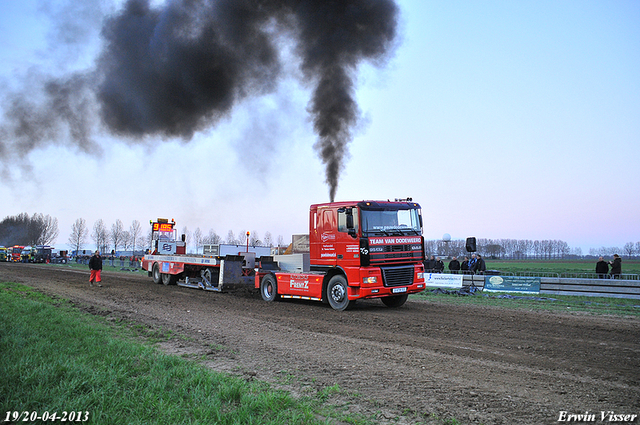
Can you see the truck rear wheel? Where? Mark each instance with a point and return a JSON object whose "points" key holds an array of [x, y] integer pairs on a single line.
{"points": [[169, 279], [155, 273], [269, 288], [337, 293], [395, 300]]}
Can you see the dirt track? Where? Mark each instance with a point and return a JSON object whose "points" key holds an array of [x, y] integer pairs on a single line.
{"points": [[422, 361]]}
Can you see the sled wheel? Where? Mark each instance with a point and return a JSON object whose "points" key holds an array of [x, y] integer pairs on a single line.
{"points": [[169, 279]]}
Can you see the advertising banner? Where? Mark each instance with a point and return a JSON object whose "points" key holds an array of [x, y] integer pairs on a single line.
{"points": [[512, 284], [439, 280]]}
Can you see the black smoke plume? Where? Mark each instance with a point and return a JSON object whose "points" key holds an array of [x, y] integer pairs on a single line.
{"points": [[173, 70]]}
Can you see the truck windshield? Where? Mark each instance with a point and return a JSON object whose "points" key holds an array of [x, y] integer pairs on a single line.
{"points": [[390, 222]]}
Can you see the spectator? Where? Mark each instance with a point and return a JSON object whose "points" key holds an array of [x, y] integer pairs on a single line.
{"points": [[602, 268], [430, 265], [454, 265], [616, 266], [480, 266], [95, 265], [473, 264], [465, 265], [439, 268]]}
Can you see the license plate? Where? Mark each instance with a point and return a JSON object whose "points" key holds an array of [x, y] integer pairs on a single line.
{"points": [[398, 290]]}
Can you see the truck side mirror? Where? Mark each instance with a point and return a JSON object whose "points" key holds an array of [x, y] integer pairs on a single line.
{"points": [[471, 244]]}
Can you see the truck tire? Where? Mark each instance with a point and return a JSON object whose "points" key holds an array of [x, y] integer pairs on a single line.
{"points": [[155, 274], [269, 288], [337, 293], [395, 300], [169, 279]]}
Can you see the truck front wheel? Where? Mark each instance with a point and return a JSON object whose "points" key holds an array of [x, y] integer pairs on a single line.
{"points": [[269, 288], [337, 293], [155, 274], [395, 300]]}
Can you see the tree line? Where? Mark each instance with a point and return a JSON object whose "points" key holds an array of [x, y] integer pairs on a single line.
{"points": [[22, 229], [118, 238], [524, 249], [40, 229]]}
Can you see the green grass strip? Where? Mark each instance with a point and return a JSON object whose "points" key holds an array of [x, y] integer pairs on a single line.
{"points": [[54, 358]]}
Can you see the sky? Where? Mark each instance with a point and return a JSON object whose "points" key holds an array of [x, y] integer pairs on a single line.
{"points": [[515, 120]]}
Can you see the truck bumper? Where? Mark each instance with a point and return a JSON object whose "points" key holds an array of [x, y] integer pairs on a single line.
{"points": [[369, 283]]}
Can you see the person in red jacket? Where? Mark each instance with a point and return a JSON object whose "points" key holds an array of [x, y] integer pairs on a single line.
{"points": [[95, 265]]}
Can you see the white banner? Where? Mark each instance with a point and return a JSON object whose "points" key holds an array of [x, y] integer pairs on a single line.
{"points": [[439, 280]]}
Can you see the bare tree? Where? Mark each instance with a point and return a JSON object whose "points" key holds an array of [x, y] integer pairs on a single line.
{"points": [[99, 235], [629, 249], [117, 234], [268, 239], [213, 237], [242, 237], [231, 239], [135, 231], [198, 238], [254, 239], [46, 229], [78, 236], [126, 241]]}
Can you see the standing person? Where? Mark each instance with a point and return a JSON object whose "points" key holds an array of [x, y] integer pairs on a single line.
{"points": [[430, 264], [480, 267], [95, 265], [602, 268], [465, 266], [616, 266], [439, 268], [454, 265], [473, 263]]}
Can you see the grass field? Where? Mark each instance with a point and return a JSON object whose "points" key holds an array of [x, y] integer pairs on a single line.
{"points": [[555, 266], [58, 359]]}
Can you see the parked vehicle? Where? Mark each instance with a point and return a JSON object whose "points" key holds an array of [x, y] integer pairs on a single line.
{"points": [[16, 253]]}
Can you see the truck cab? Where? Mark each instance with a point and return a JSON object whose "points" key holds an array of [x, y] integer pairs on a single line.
{"points": [[16, 253], [362, 249]]}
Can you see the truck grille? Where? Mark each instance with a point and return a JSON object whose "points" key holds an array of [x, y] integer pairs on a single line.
{"points": [[397, 276]]}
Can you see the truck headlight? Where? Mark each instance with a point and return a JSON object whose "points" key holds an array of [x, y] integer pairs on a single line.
{"points": [[370, 279], [420, 275]]}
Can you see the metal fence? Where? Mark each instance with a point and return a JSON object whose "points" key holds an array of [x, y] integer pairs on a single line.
{"points": [[628, 286]]}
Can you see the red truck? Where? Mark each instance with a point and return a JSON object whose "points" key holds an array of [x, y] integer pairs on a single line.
{"points": [[357, 250], [16, 253]]}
